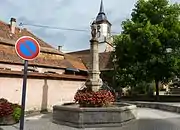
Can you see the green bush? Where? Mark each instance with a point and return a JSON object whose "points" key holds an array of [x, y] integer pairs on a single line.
{"points": [[17, 113], [143, 88], [150, 90]]}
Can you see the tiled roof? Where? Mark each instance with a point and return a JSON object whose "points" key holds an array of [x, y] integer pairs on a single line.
{"points": [[7, 37], [79, 53], [105, 62], [76, 62], [5, 33], [8, 54]]}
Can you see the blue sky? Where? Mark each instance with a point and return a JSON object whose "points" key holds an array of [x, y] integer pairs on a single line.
{"points": [[75, 14]]}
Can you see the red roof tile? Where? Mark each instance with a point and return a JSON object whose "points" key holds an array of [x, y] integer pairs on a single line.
{"points": [[105, 62], [76, 62], [8, 55], [5, 33]]}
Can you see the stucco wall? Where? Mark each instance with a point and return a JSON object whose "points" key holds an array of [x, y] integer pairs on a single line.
{"points": [[41, 93]]}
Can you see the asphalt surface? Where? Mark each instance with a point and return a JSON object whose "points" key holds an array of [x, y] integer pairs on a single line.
{"points": [[149, 119]]}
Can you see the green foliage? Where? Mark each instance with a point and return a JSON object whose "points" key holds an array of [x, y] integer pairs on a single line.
{"points": [[141, 49], [142, 88], [17, 113], [107, 76], [9, 109]]}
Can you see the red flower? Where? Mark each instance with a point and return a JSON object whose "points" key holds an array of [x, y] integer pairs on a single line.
{"points": [[93, 99]]}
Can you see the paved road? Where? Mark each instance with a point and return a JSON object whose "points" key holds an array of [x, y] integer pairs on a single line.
{"points": [[149, 119]]}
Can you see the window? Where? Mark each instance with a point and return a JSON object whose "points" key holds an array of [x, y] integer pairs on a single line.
{"points": [[109, 30]]}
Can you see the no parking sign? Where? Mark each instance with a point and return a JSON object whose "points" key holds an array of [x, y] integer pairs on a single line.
{"points": [[27, 48]]}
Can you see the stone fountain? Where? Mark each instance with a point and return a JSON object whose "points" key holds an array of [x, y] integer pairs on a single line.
{"points": [[82, 117]]}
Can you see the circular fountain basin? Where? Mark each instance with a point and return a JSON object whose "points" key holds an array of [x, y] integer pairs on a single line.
{"points": [[86, 117]]}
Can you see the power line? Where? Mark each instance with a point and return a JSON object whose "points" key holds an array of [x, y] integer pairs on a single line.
{"points": [[59, 28], [50, 27]]}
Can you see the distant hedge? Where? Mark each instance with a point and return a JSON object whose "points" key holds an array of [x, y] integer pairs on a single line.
{"points": [[162, 98]]}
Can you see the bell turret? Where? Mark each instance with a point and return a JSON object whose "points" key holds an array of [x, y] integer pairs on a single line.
{"points": [[105, 29]]}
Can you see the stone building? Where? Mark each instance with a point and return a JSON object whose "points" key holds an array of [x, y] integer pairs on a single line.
{"points": [[53, 77]]}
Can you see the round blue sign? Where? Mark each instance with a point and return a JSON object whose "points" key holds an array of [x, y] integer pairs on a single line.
{"points": [[27, 48]]}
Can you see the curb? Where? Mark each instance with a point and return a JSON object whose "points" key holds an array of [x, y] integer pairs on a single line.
{"points": [[156, 105], [35, 113], [88, 117]]}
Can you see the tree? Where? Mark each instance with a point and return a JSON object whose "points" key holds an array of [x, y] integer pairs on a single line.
{"points": [[148, 47]]}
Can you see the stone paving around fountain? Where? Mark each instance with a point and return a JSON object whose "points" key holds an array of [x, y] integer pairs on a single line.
{"points": [[149, 119]]}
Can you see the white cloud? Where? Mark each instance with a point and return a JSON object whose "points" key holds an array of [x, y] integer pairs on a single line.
{"points": [[65, 13]]}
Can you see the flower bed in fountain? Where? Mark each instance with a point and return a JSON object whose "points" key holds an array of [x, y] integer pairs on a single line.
{"points": [[88, 98], [93, 109], [9, 112]]}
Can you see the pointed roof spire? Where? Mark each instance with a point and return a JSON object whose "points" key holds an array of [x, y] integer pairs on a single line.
{"points": [[101, 17], [101, 7]]}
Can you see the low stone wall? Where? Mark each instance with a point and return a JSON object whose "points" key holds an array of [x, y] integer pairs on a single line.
{"points": [[160, 106], [74, 116]]}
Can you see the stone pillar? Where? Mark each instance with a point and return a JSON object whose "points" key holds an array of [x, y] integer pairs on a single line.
{"points": [[94, 81]]}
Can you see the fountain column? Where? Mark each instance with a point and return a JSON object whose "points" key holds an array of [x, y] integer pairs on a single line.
{"points": [[94, 81]]}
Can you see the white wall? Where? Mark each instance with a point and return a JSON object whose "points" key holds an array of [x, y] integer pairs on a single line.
{"points": [[41, 93], [104, 29], [12, 67], [103, 46]]}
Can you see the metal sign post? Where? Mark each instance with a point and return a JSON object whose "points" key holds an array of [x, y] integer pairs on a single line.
{"points": [[27, 48], [23, 99]]}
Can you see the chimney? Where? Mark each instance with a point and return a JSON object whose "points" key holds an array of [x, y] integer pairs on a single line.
{"points": [[13, 25], [59, 48]]}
